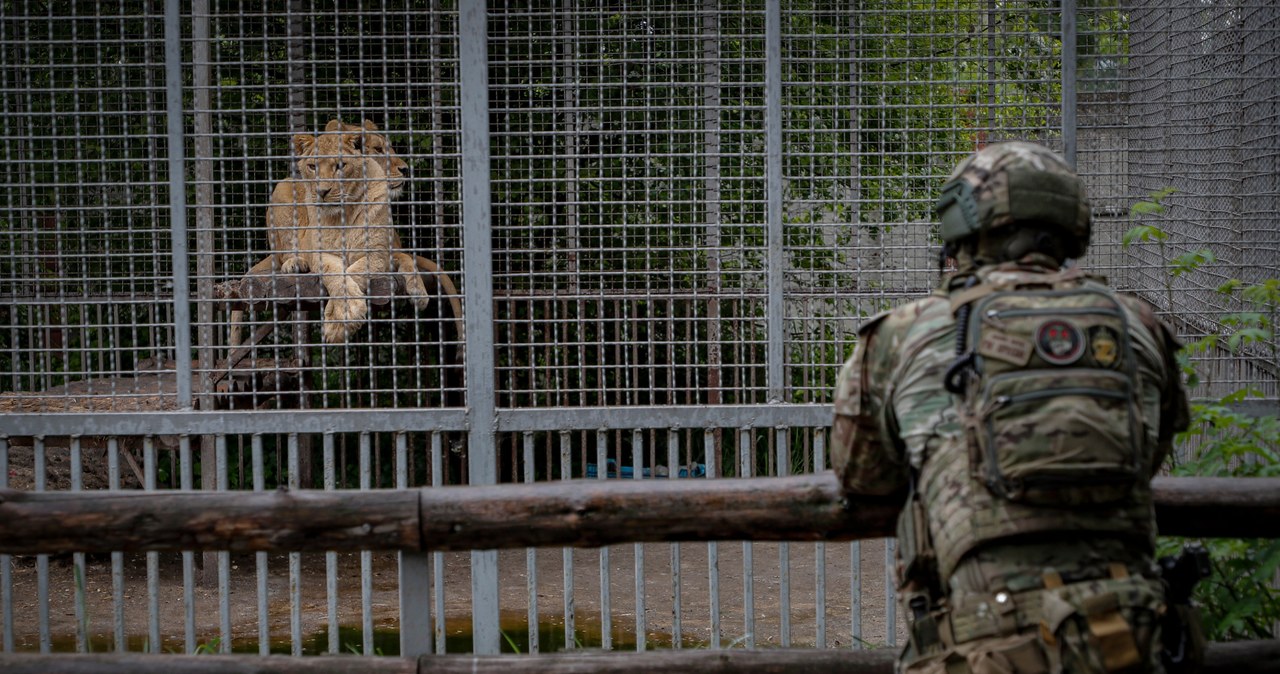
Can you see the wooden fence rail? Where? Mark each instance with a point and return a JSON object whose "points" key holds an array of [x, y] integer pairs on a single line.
{"points": [[580, 513], [1245, 657]]}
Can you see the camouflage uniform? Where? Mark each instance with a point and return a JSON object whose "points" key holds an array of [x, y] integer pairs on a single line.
{"points": [[1017, 587]]}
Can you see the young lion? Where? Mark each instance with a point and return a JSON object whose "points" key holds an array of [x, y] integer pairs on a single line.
{"points": [[291, 212], [351, 237]]}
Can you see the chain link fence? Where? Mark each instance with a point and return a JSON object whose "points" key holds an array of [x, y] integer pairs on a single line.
{"points": [[647, 233]]}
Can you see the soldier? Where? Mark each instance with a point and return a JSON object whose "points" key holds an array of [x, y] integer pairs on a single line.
{"points": [[1022, 410]]}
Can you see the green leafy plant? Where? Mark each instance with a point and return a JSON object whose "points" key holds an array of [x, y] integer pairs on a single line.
{"points": [[1239, 600], [209, 648]]}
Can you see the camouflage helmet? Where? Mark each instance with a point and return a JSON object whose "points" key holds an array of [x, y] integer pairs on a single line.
{"points": [[1015, 183]]}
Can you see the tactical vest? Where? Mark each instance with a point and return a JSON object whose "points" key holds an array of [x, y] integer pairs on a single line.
{"points": [[1050, 438]]}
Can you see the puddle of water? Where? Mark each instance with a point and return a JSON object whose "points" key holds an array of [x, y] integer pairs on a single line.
{"points": [[386, 641]]}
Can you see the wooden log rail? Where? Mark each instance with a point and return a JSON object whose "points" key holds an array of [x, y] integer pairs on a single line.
{"points": [[1244, 657], [579, 513]]}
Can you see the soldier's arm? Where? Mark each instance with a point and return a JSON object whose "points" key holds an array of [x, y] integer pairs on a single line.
{"points": [[1175, 414], [865, 461]]}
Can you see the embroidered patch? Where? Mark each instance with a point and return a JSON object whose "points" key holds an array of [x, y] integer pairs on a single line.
{"points": [[1104, 346], [1059, 342], [1010, 349]]}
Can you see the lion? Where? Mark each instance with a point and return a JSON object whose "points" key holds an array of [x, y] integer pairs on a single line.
{"points": [[351, 236], [291, 211]]}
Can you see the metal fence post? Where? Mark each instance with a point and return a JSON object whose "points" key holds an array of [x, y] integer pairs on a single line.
{"points": [[473, 55], [177, 198], [776, 316], [1069, 81]]}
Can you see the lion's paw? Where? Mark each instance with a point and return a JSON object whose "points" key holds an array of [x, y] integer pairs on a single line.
{"points": [[293, 265], [342, 318], [417, 291]]}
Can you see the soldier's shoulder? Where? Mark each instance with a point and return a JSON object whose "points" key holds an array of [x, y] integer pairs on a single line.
{"points": [[902, 318]]}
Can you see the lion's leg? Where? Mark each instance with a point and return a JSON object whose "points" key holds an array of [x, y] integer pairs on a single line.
{"points": [[237, 316], [346, 309], [407, 266]]}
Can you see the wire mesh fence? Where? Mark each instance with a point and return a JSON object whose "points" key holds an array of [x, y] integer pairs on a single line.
{"points": [[688, 209]]}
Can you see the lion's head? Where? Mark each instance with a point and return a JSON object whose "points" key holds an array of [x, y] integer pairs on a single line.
{"points": [[376, 145], [340, 172]]}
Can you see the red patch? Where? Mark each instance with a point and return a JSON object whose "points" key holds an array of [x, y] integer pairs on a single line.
{"points": [[1059, 342]]}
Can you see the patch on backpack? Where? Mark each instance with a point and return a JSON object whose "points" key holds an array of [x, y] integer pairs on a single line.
{"points": [[1010, 349], [1104, 346], [1059, 342]]}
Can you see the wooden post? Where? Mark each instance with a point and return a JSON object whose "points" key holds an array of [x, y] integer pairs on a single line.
{"points": [[581, 513]]}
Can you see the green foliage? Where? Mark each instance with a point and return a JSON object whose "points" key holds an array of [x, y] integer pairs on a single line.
{"points": [[1239, 600]]}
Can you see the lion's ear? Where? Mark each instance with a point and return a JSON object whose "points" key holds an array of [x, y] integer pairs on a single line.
{"points": [[302, 143], [333, 125], [356, 142], [370, 126]]}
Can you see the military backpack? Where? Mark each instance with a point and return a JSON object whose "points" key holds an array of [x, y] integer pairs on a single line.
{"points": [[1049, 389]]}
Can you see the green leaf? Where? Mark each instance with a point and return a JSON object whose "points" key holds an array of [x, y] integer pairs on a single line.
{"points": [[1144, 233], [1247, 336], [1145, 208], [1191, 261], [1230, 286], [1265, 293]]}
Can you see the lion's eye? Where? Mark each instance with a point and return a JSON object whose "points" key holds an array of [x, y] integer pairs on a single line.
{"points": [[311, 166], [338, 168]]}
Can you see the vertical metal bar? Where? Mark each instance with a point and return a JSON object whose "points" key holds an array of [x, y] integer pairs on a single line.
{"points": [[673, 472], [890, 594], [855, 594], [188, 557], [637, 473], [42, 561], [748, 549], [366, 556], [566, 473], [783, 457], [531, 554], [295, 559], [6, 561], [331, 557], [711, 147], [203, 141], [437, 558], [415, 578], [773, 191], [264, 617], [153, 558], [117, 558], [473, 63], [820, 556], [224, 557], [711, 454], [1069, 81], [606, 603], [77, 564], [177, 198]]}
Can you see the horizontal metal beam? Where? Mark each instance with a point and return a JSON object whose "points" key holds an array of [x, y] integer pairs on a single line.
{"points": [[385, 420], [232, 422], [665, 416]]}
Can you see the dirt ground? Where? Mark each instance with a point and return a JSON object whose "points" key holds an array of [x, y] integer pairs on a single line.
{"points": [[766, 590]]}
